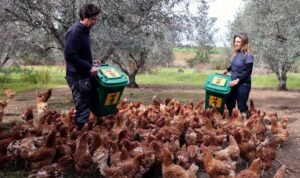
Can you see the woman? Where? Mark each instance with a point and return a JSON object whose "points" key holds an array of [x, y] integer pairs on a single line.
{"points": [[241, 69]]}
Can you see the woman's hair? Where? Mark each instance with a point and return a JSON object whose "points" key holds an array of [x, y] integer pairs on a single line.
{"points": [[245, 47], [88, 11]]}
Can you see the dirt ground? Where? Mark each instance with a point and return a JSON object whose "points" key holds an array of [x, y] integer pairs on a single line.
{"points": [[284, 103]]}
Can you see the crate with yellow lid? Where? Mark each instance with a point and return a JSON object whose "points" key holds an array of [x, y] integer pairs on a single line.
{"points": [[110, 82], [216, 90]]}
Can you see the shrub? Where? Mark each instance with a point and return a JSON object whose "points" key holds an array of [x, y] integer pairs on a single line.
{"points": [[5, 77], [201, 57], [5, 74], [36, 76]]}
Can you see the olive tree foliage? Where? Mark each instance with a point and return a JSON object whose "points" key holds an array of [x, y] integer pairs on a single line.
{"points": [[274, 29], [130, 33], [136, 33], [205, 30], [198, 30], [40, 25]]}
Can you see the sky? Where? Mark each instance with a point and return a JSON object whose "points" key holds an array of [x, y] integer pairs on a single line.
{"points": [[225, 11]]}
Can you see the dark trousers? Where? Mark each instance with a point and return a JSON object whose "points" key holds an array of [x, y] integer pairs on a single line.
{"points": [[82, 92], [240, 94]]}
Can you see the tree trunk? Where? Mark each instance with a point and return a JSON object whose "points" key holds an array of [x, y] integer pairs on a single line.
{"points": [[132, 83], [282, 78], [2, 64]]}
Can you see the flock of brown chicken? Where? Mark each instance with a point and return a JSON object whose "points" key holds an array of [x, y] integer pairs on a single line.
{"points": [[179, 140]]}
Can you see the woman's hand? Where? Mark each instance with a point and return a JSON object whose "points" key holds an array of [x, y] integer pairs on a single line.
{"points": [[234, 82], [225, 72]]}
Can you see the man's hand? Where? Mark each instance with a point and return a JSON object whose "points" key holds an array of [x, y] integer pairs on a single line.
{"points": [[94, 71]]}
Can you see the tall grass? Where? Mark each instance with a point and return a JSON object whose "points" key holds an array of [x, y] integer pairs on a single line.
{"points": [[36, 76]]}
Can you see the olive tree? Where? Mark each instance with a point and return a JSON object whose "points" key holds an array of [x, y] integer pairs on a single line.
{"points": [[130, 33], [135, 33]]}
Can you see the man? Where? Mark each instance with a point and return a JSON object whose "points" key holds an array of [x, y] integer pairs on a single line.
{"points": [[79, 62]]}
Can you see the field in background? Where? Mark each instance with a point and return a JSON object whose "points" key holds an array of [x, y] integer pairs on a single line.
{"points": [[41, 77]]}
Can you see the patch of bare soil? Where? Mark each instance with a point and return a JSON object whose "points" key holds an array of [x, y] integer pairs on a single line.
{"points": [[284, 103]]}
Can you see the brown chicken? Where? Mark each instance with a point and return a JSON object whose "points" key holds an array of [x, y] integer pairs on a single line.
{"points": [[28, 115], [101, 155], [253, 171], [236, 119], [3, 104], [246, 144], [127, 168], [252, 108], [232, 152], [44, 96], [53, 170], [44, 155], [214, 142], [158, 151], [217, 117], [283, 122], [171, 170], [9, 94], [267, 154], [17, 134], [214, 167], [41, 102], [183, 157], [280, 172], [83, 160], [278, 131]]}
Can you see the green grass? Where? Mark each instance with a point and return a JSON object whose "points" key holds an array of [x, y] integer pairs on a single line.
{"points": [[217, 51], [271, 81], [185, 49], [167, 76], [19, 83], [163, 76], [170, 76]]}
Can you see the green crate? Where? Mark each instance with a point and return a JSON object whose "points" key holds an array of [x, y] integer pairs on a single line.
{"points": [[216, 91], [110, 83]]}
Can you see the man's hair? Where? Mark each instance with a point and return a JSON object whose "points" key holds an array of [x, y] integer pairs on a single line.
{"points": [[88, 11]]}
